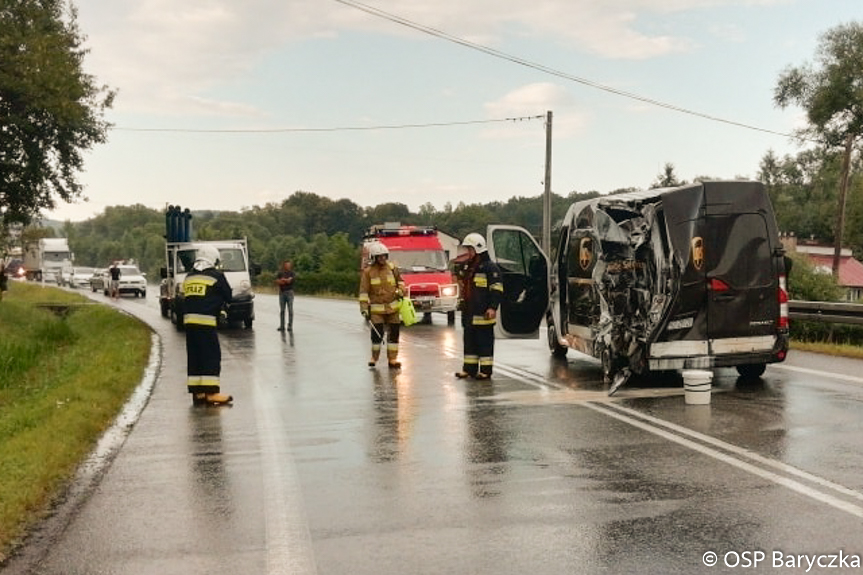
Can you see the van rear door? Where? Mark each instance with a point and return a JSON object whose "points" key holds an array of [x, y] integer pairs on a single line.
{"points": [[525, 271], [741, 269], [727, 301]]}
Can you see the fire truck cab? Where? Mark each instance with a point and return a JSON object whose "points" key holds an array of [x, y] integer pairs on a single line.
{"points": [[422, 263]]}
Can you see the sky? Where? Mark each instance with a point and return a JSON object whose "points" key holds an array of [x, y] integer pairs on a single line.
{"points": [[227, 105]]}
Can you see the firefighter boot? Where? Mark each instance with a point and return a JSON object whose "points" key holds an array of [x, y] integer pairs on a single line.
{"points": [[374, 360], [199, 398], [394, 364], [218, 399]]}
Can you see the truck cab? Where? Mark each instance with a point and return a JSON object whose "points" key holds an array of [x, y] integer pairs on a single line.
{"points": [[691, 277], [423, 264], [234, 263]]}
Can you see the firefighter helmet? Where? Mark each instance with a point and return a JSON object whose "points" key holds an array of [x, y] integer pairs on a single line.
{"points": [[377, 249], [206, 257], [475, 241]]}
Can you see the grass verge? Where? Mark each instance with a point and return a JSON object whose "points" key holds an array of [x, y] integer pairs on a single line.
{"points": [[63, 379]]}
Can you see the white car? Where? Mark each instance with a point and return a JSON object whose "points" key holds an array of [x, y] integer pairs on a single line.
{"points": [[131, 281], [80, 277]]}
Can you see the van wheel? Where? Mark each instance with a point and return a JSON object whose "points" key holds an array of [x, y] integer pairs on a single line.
{"points": [[450, 318], [751, 370], [554, 346]]}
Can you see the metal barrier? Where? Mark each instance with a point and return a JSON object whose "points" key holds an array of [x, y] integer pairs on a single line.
{"points": [[827, 312]]}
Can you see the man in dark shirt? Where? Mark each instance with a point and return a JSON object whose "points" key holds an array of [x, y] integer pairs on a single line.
{"points": [[115, 280], [285, 281]]}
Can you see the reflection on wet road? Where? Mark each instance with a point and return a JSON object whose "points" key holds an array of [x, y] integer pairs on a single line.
{"points": [[326, 466]]}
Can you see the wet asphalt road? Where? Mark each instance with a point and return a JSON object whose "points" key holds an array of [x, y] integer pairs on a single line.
{"points": [[324, 466]]}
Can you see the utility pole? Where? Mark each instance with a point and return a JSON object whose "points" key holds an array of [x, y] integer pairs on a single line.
{"points": [[546, 199]]}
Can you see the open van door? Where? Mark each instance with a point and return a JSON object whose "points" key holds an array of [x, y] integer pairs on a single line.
{"points": [[526, 282]]}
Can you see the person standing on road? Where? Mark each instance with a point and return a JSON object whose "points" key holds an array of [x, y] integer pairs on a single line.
{"points": [[381, 289], [4, 280], [115, 280], [205, 292], [285, 281], [481, 291]]}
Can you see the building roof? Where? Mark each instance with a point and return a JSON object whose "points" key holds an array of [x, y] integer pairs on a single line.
{"points": [[850, 270]]}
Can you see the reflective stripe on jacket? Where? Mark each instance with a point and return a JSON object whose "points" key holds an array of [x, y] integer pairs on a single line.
{"points": [[482, 289], [205, 293], [380, 289]]}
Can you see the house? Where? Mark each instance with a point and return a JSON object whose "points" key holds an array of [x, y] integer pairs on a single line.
{"points": [[821, 257]]}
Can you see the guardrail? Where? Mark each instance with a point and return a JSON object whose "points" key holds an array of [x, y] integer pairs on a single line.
{"points": [[827, 312]]}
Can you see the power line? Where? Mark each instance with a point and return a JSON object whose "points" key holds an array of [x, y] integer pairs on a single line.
{"points": [[547, 70], [332, 129]]}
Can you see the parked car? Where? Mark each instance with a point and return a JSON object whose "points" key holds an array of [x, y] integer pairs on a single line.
{"points": [[64, 277], [97, 280], [80, 277], [131, 281]]}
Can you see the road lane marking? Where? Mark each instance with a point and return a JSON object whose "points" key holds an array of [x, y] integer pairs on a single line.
{"points": [[742, 452], [288, 540], [800, 488], [840, 376], [729, 453]]}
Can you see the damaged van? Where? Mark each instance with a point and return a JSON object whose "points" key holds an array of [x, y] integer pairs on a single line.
{"points": [[664, 279]]}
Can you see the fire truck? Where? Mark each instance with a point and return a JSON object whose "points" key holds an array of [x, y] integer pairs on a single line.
{"points": [[423, 264]]}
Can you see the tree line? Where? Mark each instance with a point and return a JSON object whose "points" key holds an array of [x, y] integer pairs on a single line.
{"points": [[323, 236]]}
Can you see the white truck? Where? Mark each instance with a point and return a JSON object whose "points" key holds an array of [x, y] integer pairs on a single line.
{"points": [[234, 263], [46, 259]]}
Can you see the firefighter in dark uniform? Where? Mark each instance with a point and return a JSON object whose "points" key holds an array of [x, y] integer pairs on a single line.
{"points": [[205, 292], [481, 292], [381, 290]]}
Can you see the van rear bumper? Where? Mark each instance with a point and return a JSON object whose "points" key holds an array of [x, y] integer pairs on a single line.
{"points": [[728, 352]]}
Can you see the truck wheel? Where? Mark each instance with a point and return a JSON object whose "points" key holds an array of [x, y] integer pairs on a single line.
{"points": [[554, 346], [751, 370], [177, 320], [450, 318]]}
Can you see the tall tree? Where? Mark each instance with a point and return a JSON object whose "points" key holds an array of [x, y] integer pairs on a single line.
{"points": [[831, 92], [50, 110]]}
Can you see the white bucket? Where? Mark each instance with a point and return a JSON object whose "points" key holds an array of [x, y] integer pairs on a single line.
{"points": [[696, 386]]}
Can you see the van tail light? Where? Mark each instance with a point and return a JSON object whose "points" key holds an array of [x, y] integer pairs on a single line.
{"points": [[783, 303], [718, 285]]}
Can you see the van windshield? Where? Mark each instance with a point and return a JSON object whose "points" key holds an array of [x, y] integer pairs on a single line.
{"points": [[419, 260]]}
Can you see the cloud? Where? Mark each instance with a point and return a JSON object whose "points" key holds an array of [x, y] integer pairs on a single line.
{"points": [[541, 97], [195, 47]]}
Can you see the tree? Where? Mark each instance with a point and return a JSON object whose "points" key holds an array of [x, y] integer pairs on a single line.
{"points": [[50, 110], [667, 179], [832, 95]]}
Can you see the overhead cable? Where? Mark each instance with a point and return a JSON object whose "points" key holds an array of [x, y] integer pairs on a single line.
{"points": [[332, 129], [547, 70]]}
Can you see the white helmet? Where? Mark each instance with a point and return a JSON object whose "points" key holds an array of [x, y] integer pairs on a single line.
{"points": [[206, 257], [475, 241], [377, 249]]}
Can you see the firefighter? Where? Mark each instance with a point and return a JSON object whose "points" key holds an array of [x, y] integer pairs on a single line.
{"points": [[481, 292], [381, 290], [205, 292]]}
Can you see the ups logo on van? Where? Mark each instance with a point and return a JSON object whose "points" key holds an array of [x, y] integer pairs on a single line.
{"points": [[697, 253], [585, 253]]}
